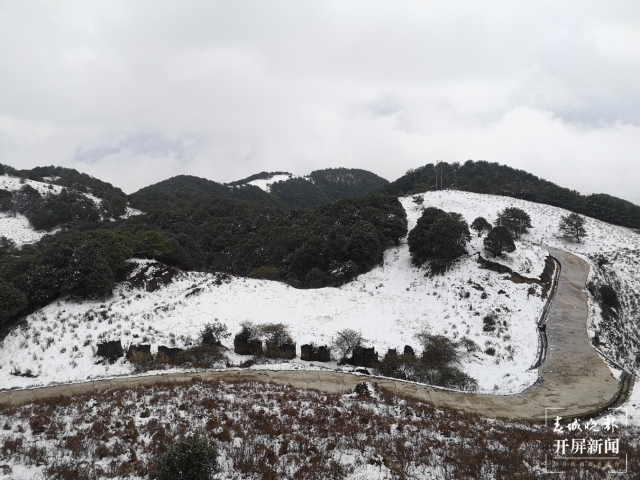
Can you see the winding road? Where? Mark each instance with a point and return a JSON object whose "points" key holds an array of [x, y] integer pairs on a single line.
{"points": [[573, 379]]}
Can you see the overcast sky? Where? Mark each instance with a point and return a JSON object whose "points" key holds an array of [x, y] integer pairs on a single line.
{"points": [[134, 92]]}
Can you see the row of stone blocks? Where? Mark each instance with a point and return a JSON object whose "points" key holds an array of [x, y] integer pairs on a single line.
{"points": [[112, 350], [310, 353], [361, 357]]}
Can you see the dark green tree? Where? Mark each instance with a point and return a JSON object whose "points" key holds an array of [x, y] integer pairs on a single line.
{"points": [[438, 238], [80, 263], [190, 459], [572, 226], [498, 241], [515, 219], [151, 244], [12, 301], [481, 225]]}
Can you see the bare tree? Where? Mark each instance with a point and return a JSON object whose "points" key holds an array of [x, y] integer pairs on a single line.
{"points": [[572, 226], [345, 341]]}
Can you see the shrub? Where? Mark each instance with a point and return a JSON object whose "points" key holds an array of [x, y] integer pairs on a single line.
{"points": [[141, 361], [609, 297], [345, 341], [202, 356], [246, 342], [515, 219], [572, 226], [191, 459], [498, 241], [213, 334], [489, 323], [398, 366], [278, 340], [481, 225], [438, 238], [438, 364]]}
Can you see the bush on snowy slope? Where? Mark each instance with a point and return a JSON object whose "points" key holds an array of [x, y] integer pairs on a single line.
{"points": [[86, 264], [498, 241], [192, 458], [52, 210], [438, 364], [438, 238]]}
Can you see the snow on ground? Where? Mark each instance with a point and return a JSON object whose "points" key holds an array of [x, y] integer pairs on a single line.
{"points": [[10, 183], [620, 246], [389, 305], [17, 228], [131, 212], [265, 183]]}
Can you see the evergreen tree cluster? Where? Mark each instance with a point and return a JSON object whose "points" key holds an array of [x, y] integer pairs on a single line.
{"points": [[438, 238], [321, 187], [46, 212], [307, 248], [114, 200], [495, 179]]}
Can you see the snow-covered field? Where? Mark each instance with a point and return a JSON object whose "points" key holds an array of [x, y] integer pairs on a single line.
{"points": [[389, 305]]}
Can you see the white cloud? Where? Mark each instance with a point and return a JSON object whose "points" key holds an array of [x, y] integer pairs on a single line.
{"points": [[134, 92]]}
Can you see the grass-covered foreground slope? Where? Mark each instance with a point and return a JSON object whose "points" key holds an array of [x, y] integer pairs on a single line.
{"points": [[269, 431]]}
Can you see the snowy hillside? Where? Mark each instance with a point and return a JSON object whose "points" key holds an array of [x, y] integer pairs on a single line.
{"points": [[389, 305], [16, 226], [613, 253], [265, 183]]}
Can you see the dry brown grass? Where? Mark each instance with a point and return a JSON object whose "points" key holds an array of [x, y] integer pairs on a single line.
{"points": [[267, 431]]}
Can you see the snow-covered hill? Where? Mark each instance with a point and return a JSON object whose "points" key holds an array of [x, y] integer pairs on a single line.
{"points": [[16, 227], [389, 305], [265, 183]]}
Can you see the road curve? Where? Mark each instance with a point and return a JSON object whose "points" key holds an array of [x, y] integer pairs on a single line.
{"points": [[573, 379]]}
